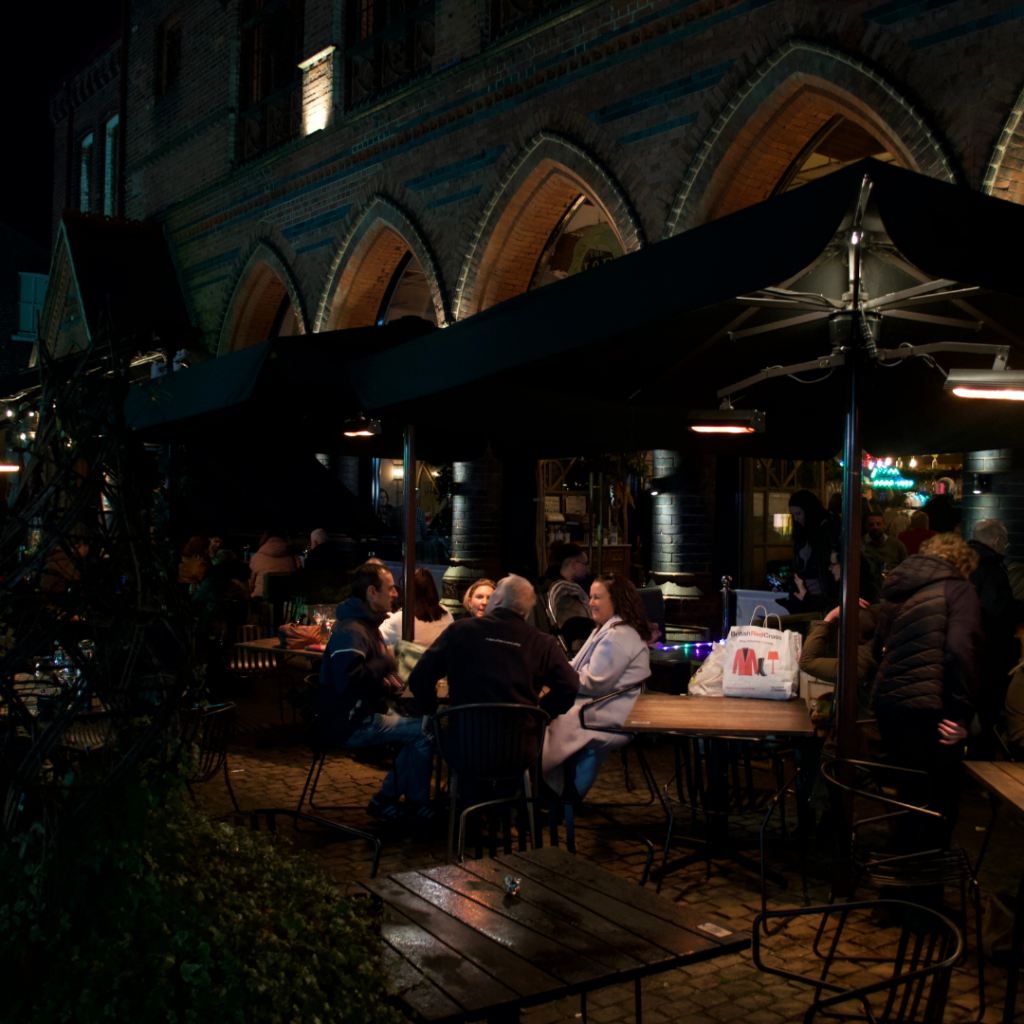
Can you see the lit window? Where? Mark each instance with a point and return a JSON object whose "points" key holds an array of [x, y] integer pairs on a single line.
{"points": [[84, 173], [110, 167]]}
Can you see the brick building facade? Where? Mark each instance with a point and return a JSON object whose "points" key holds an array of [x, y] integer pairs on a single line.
{"points": [[334, 164]]}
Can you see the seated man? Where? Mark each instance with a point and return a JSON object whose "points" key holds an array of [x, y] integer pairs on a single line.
{"points": [[325, 553], [565, 608], [497, 658], [357, 677]]}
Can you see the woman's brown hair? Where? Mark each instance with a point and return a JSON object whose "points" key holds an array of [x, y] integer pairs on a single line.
{"points": [[626, 602], [195, 546], [951, 548], [426, 606]]}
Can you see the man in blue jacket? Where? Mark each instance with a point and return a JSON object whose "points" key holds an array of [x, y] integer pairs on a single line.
{"points": [[357, 678]]}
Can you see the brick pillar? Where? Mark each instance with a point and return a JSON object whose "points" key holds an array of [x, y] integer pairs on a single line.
{"points": [[318, 81], [348, 472], [682, 535], [1004, 502], [476, 527]]}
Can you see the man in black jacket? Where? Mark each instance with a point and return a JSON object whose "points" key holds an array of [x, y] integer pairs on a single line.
{"points": [[1000, 614], [357, 678], [325, 553], [497, 659]]}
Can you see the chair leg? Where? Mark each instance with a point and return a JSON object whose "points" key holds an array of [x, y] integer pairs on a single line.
{"points": [[318, 761], [625, 772], [227, 782], [453, 795], [528, 791]]}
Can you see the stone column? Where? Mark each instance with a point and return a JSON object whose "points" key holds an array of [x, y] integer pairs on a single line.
{"points": [[476, 527], [1005, 500], [682, 537]]}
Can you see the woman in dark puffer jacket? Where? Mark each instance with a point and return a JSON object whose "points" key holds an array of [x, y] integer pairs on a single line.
{"points": [[927, 645]]}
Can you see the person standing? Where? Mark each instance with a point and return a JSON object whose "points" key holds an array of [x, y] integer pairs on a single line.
{"points": [[918, 533], [357, 679], [927, 645], [615, 657], [887, 551], [814, 536], [1000, 615]]}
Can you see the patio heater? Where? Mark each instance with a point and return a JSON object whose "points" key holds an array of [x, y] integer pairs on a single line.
{"points": [[854, 322]]}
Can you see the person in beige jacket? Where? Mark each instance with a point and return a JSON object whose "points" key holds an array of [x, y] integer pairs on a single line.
{"points": [[271, 556]]}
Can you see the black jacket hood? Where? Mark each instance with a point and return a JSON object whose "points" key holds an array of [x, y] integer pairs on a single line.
{"points": [[916, 572]]}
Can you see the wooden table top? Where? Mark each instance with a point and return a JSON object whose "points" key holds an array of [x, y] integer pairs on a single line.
{"points": [[458, 948], [1004, 778], [740, 717], [272, 645]]}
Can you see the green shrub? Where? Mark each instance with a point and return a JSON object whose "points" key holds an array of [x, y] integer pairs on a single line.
{"points": [[190, 921]]}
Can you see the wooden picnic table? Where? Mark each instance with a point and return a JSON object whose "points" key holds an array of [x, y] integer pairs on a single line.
{"points": [[272, 645], [715, 721], [458, 948], [1006, 780]]}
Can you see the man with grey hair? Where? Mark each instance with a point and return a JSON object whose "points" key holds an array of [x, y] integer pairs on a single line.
{"points": [[1000, 615], [325, 553], [497, 658]]}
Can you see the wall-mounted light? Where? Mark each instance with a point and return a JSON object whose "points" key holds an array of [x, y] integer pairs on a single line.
{"points": [[360, 426], [1007, 385], [654, 494], [727, 421]]}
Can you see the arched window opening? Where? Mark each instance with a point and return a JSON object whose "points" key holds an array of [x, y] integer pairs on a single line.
{"points": [[582, 238], [407, 294], [837, 144]]}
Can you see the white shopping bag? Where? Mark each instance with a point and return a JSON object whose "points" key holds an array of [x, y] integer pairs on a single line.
{"points": [[762, 662], [708, 680]]}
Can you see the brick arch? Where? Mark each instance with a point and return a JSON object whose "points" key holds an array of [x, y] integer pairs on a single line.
{"points": [[262, 284], [776, 112], [539, 187], [1004, 176], [365, 262]]}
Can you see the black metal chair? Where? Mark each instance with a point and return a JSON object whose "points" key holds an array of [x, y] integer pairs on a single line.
{"points": [[488, 743], [915, 988], [531, 830], [210, 729], [272, 813], [935, 868]]}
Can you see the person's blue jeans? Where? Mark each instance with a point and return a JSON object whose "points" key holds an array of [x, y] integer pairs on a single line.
{"points": [[582, 767], [411, 774]]}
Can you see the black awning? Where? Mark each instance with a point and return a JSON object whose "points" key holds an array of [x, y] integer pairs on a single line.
{"points": [[615, 357], [292, 391]]}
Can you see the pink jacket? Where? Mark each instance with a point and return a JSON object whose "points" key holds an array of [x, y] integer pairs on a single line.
{"points": [[272, 557]]}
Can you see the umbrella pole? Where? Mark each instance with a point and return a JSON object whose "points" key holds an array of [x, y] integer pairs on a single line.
{"points": [[846, 704], [409, 540]]}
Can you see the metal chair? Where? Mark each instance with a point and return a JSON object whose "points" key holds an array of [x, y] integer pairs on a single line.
{"points": [[530, 830], [915, 988], [247, 664], [492, 743], [211, 729], [271, 814], [938, 868]]}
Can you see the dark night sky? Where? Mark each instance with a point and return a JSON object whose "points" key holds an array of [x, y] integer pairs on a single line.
{"points": [[41, 42]]}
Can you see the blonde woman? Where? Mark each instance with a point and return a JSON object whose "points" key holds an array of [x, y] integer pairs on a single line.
{"points": [[927, 645], [476, 597]]}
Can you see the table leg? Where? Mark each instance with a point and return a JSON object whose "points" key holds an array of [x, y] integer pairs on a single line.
{"points": [[639, 1001], [719, 845]]}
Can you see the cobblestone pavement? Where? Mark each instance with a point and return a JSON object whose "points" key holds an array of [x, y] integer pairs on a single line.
{"points": [[268, 763]]}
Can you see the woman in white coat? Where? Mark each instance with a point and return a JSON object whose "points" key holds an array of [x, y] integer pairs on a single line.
{"points": [[613, 657]]}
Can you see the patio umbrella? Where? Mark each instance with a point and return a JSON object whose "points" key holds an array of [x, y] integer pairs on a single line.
{"points": [[841, 279]]}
